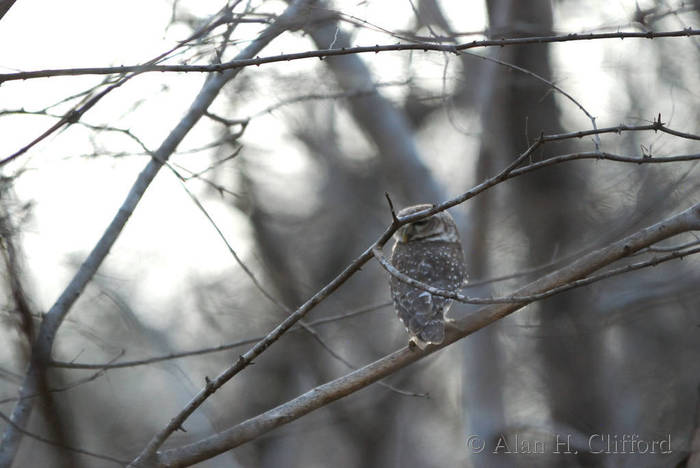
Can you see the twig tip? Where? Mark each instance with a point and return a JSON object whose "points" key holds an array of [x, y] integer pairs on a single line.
{"points": [[394, 219]]}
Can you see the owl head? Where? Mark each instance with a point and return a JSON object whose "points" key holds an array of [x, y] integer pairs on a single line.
{"points": [[435, 228]]}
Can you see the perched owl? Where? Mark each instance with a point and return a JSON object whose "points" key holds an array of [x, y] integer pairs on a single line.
{"points": [[428, 251]]}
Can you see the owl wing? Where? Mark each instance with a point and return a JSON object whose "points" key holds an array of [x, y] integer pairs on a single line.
{"points": [[439, 264]]}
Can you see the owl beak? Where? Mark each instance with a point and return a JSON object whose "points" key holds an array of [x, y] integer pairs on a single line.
{"points": [[404, 236]]}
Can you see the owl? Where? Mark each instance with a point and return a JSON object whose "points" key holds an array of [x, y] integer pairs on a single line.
{"points": [[429, 251]]}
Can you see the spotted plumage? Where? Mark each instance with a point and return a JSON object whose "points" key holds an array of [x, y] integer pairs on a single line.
{"points": [[429, 251]]}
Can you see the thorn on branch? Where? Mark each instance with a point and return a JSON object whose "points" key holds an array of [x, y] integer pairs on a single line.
{"points": [[180, 428], [658, 123], [394, 219], [242, 361], [208, 384]]}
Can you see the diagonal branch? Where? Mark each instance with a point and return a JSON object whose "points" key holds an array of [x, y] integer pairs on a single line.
{"points": [[324, 394], [5, 6]]}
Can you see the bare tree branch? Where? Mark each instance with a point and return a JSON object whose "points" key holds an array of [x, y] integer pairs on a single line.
{"points": [[94, 376], [343, 386], [247, 358], [512, 170], [514, 299], [60, 445], [5, 6], [323, 53]]}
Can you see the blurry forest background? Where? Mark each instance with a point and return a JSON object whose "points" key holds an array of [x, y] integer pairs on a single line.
{"points": [[292, 163]]}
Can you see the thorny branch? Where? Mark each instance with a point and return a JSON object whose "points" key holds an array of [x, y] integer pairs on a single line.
{"points": [[323, 53], [343, 386]]}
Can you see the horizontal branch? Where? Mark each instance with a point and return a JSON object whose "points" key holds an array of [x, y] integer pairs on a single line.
{"points": [[343, 386], [323, 53], [657, 126], [515, 299], [513, 170]]}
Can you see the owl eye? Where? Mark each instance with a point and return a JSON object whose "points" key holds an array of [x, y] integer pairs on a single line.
{"points": [[421, 223]]}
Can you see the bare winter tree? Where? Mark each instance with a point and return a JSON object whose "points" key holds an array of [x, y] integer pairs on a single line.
{"points": [[234, 310]]}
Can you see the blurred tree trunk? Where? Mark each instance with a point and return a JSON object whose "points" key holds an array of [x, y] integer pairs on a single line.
{"points": [[344, 193], [485, 381], [545, 205], [385, 126]]}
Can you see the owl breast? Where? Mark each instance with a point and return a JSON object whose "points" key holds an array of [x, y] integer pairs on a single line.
{"points": [[436, 263]]}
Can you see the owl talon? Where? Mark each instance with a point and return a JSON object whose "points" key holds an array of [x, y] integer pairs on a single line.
{"points": [[415, 342]]}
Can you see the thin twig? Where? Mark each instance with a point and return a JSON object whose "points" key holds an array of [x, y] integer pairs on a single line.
{"points": [[213, 349], [672, 248], [75, 114], [548, 83], [62, 446], [101, 368]]}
